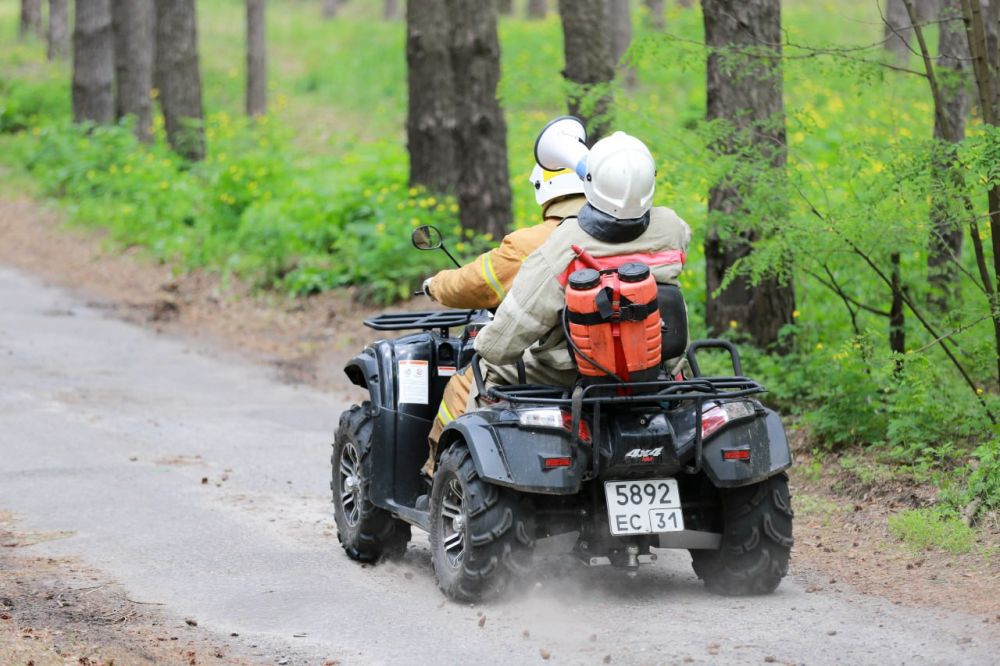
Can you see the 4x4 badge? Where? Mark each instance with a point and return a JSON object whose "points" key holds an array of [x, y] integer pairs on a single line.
{"points": [[645, 454]]}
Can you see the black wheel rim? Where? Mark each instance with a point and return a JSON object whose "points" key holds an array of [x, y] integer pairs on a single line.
{"points": [[453, 523], [350, 484]]}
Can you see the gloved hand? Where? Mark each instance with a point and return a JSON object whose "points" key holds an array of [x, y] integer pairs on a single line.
{"points": [[427, 289]]}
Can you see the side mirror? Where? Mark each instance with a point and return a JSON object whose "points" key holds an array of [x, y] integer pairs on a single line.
{"points": [[426, 237]]}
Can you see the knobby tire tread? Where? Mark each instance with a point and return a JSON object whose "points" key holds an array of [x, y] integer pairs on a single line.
{"points": [[378, 534], [756, 541], [499, 535]]}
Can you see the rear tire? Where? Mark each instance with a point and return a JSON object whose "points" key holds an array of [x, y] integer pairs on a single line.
{"points": [[756, 540], [366, 532], [481, 536]]}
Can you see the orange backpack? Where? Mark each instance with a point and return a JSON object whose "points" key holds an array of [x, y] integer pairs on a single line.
{"points": [[613, 319]]}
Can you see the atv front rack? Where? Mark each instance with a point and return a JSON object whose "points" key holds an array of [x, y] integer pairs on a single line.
{"points": [[425, 321]]}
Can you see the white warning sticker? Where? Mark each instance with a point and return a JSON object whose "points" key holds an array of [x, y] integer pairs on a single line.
{"points": [[413, 382], [446, 370]]}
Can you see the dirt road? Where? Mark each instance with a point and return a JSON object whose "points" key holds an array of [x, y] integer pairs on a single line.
{"points": [[200, 482]]}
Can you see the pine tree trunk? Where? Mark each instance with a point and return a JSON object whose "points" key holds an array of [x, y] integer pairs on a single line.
{"points": [[256, 57], [93, 63], [620, 26], [133, 30], [589, 65], [505, 7], [390, 10], [31, 18], [537, 9], [481, 131], [945, 246], [330, 8], [58, 32], [179, 77], [685, 3], [431, 118], [655, 11], [897, 30], [750, 99]]}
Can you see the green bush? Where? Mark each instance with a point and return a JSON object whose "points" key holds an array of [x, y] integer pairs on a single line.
{"points": [[243, 211]]}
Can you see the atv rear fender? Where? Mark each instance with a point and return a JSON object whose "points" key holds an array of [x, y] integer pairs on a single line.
{"points": [[765, 439], [513, 457]]}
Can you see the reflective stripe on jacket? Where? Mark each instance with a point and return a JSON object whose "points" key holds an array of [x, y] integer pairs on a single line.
{"points": [[484, 281], [528, 322]]}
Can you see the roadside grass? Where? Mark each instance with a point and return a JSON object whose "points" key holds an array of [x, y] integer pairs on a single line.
{"points": [[924, 529]]}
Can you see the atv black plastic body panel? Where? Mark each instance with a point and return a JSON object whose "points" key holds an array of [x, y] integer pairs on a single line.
{"points": [[401, 429], [765, 439], [511, 456]]}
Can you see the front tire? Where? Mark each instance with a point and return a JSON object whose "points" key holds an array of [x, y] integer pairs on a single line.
{"points": [[366, 532], [756, 540], [481, 535]]}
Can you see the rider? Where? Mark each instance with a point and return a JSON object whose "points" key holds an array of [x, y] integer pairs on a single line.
{"points": [[483, 282], [617, 220]]}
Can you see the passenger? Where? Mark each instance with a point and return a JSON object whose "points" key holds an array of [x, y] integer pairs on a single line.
{"points": [[617, 221]]}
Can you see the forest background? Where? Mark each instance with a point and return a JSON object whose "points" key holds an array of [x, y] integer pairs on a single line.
{"points": [[883, 354]]}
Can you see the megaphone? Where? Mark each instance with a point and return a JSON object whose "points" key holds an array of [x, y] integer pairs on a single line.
{"points": [[562, 144]]}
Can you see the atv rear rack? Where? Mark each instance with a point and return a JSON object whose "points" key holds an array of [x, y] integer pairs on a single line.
{"points": [[698, 389]]}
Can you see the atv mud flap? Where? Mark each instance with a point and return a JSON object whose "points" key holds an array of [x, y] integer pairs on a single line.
{"points": [[764, 439]]}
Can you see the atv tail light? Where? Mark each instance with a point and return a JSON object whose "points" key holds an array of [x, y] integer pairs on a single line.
{"points": [[736, 454], [722, 413], [558, 461], [553, 417]]}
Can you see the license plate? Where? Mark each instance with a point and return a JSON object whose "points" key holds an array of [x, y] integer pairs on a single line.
{"points": [[644, 507]]}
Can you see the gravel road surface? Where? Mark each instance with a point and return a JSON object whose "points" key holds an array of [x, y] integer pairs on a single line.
{"points": [[198, 481]]}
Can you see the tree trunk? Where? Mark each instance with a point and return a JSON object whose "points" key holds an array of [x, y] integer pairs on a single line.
{"points": [[945, 247], [256, 57], [686, 4], [589, 64], [749, 98], [431, 119], [31, 18], [620, 25], [654, 9], [178, 76], [133, 33], [481, 132], [537, 9], [330, 8], [897, 318], [93, 63], [897, 30], [505, 7], [58, 33], [390, 10]]}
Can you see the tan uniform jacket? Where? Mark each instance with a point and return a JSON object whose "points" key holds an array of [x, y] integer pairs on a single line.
{"points": [[484, 281], [528, 322]]}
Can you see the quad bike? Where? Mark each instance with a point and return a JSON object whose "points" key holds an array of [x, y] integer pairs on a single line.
{"points": [[603, 472]]}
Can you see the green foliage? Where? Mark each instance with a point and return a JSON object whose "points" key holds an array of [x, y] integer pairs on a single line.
{"points": [[26, 104], [243, 211], [925, 529]]}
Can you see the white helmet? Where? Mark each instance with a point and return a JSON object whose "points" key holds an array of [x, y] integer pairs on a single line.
{"points": [[621, 177], [551, 185]]}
